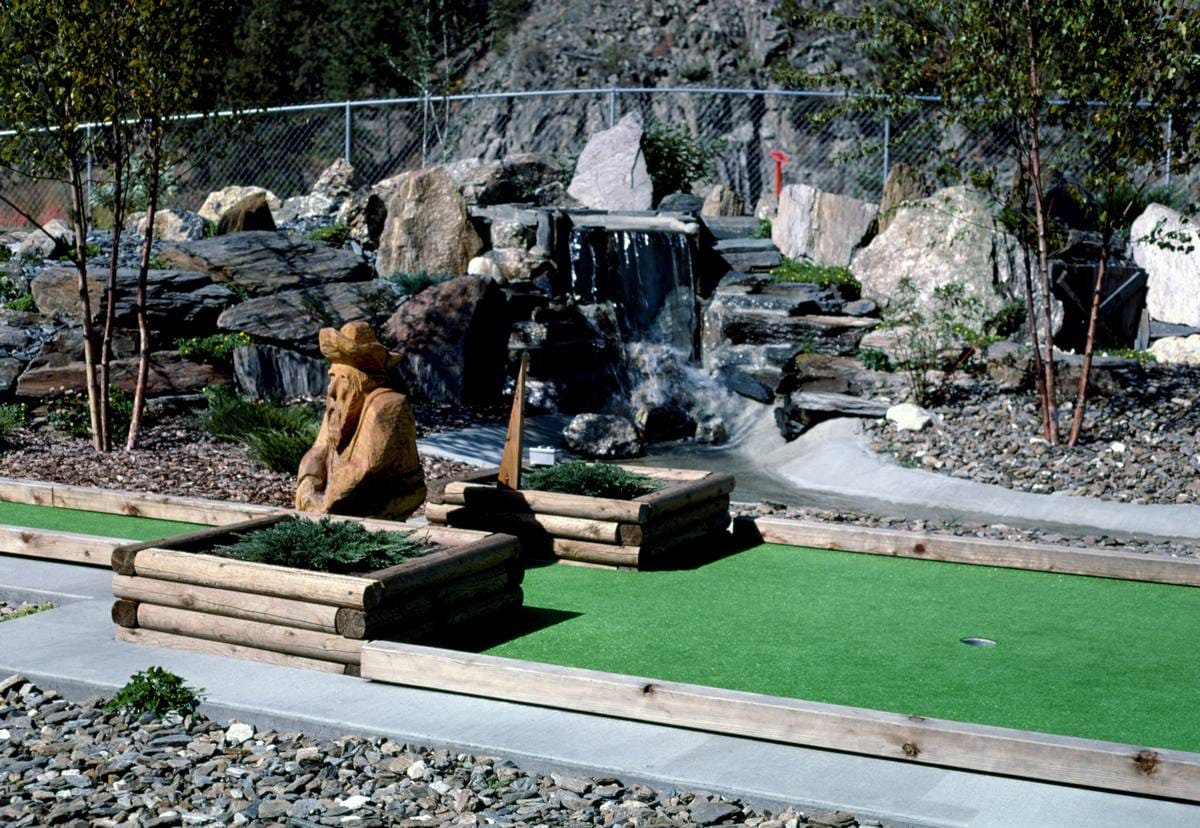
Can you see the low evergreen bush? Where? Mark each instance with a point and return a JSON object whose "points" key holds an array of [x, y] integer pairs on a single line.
{"points": [[791, 270], [277, 435], [410, 284], [591, 480], [155, 691], [216, 349], [341, 547], [335, 235]]}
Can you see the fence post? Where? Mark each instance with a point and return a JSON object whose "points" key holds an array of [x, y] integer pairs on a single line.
{"points": [[88, 134], [1170, 128], [887, 150], [424, 129], [612, 108], [346, 152]]}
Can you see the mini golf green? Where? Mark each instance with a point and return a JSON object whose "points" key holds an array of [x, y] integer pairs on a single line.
{"points": [[102, 524], [1076, 656]]}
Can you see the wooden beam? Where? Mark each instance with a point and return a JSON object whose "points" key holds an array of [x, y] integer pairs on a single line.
{"points": [[603, 553], [682, 495], [672, 525], [159, 506], [264, 579], [1108, 765], [1100, 563], [199, 541], [155, 638], [286, 640], [31, 492], [509, 476], [602, 531], [445, 565], [304, 615], [69, 547], [675, 475], [435, 489], [460, 493]]}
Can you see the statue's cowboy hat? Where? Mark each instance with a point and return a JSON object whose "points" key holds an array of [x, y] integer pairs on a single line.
{"points": [[356, 345]]}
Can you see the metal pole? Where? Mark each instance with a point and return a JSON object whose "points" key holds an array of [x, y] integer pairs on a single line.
{"points": [[887, 149], [424, 129], [89, 172], [1170, 128], [346, 151], [612, 108]]}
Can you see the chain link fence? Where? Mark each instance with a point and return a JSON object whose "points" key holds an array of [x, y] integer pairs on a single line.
{"points": [[285, 149]]}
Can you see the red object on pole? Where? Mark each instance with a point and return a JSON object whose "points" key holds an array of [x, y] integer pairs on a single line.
{"points": [[780, 158]]}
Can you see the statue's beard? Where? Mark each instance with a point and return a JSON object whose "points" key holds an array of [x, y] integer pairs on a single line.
{"points": [[339, 427]]}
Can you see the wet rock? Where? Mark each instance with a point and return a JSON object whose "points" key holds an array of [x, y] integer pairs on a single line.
{"points": [[801, 410], [603, 436]]}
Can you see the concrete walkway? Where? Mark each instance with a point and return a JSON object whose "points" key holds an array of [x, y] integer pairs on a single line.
{"points": [[72, 649], [832, 466]]}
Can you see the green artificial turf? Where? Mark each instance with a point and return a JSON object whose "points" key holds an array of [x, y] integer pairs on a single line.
{"points": [[91, 523], [1086, 657]]}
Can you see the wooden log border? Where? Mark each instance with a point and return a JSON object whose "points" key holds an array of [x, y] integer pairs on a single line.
{"points": [[1062, 759], [928, 546], [66, 547]]}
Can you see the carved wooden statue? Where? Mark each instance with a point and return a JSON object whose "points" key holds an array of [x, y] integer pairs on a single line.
{"points": [[364, 461]]}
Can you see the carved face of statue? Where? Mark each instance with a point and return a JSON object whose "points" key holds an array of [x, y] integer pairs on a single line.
{"points": [[343, 405]]}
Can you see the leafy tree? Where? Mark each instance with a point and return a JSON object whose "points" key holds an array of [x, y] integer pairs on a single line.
{"points": [[1016, 68]]}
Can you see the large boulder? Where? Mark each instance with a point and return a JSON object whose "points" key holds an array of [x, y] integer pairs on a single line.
{"points": [[722, 201], [452, 339], [611, 173], [823, 227], [265, 372], [53, 240], [427, 228], [336, 181], [521, 178], [603, 436], [292, 318], [311, 206], [220, 201], [1177, 350], [949, 237], [1167, 246], [904, 183], [249, 214], [173, 225], [179, 302], [264, 263]]}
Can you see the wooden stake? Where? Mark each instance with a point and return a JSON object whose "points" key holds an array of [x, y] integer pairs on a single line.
{"points": [[510, 460]]}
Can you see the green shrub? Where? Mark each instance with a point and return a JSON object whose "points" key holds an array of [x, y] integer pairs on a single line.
{"points": [[155, 691], [764, 229], [216, 349], [335, 235], [326, 545], [5, 254], [69, 413], [12, 417], [410, 284], [209, 230], [90, 250], [136, 189], [591, 480], [875, 359], [278, 436], [791, 270], [32, 609], [676, 159], [1006, 321], [22, 302]]}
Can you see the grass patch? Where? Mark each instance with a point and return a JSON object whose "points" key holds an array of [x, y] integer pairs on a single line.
{"points": [[1143, 357], [22, 612], [410, 284], [277, 435], [793, 271], [341, 547], [80, 521], [335, 235], [216, 349], [155, 691], [590, 480]]}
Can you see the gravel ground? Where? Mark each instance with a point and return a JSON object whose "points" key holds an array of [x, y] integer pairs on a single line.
{"points": [[1141, 447], [67, 763]]}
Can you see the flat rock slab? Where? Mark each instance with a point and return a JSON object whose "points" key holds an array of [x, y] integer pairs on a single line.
{"points": [[292, 318], [841, 404], [825, 334], [170, 374], [264, 371], [178, 301], [262, 263], [731, 227]]}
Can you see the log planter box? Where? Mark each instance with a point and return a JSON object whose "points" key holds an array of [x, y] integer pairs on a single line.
{"points": [[171, 593], [683, 517]]}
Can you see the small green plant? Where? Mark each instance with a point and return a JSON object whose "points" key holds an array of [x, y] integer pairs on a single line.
{"points": [[277, 435], [216, 349], [209, 230], [1143, 357], [136, 188], [942, 335], [69, 413], [764, 229], [335, 235], [31, 609], [156, 263], [5, 254], [792, 270], [875, 359], [590, 480], [22, 302], [410, 284], [1006, 321], [326, 545], [695, 73], [91, 250], [12, 417], [157, 692], [676, 159]]}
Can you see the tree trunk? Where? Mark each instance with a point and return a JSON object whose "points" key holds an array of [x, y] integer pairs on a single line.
{"points": [[1035, 176], [1034, 339], [143, 370], [1085, 373], [79, 220], [111, 299]]}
